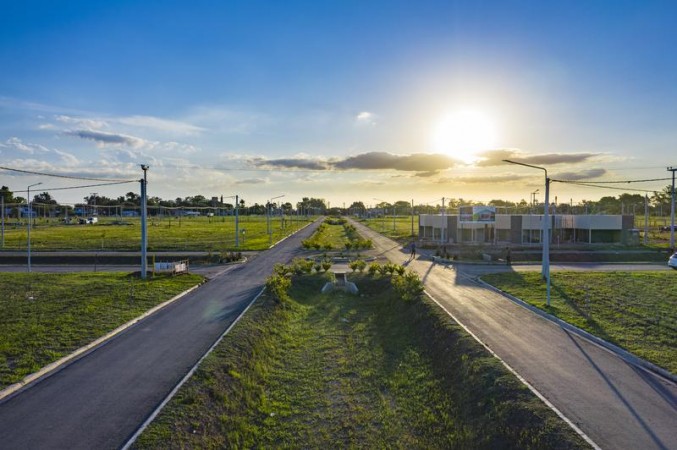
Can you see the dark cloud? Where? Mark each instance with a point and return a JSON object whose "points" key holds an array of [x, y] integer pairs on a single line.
{"points": [[580, 175], [252, 181], [484, 179], [106, 138], [428, 174], [426, 164], [496, 157], [292, 163], [417, 162]]}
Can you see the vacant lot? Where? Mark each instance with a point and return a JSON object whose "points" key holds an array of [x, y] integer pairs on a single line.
{"points": [[399, 229], [168, 233], [343, 371], [635, 310], [44, 317]]}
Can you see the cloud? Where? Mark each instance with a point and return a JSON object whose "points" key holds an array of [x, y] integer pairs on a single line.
{"points": [[427, 164], [580, 175], [416, 162], [428, 174], [103, 138], [365, 118], [291, 163], [496, 157], [484, 179], [81, 122], [156, 123], [251, 181], [14, 143]]}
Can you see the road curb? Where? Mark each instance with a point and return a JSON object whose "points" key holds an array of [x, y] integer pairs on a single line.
{"points": [[620, 352], [535, 391], [190, 373], [82, 351]]}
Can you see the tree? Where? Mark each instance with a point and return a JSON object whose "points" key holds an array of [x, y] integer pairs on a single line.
{"points": [[7, 194], [44, 199]]}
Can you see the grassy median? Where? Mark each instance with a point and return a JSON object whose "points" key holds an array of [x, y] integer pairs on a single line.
{"points": [[342, 371], [44, 317], [635, 310]]}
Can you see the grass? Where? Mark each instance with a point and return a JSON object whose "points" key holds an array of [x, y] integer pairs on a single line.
{"points": [[168, 233], [44, 317], [634, 310], [401, 231], [336, 234], [342, 371]]}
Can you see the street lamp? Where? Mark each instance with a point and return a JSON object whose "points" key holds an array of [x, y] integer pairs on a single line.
{"points": [[30, 209], [672, 210], [270, 229], [237, 220], [144, 221], [533, 198], [383, 222], [545, 270]]}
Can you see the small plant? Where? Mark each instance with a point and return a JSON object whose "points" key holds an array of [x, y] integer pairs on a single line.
{"points": [[374, 268], [326, 265], [318, 267], [399, 269], [278, 285], [358, 264], [407, 286]]}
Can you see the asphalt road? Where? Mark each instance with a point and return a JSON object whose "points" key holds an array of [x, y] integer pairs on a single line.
{"points": [[100, 400], [617, 405]]}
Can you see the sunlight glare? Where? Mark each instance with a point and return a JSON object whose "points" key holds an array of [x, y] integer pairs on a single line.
{"points": [[464, 134]]}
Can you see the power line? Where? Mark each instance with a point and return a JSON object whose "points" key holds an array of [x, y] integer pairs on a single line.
{"points": [[84, 186], [70, 177], [613, 182], [601, 187]]}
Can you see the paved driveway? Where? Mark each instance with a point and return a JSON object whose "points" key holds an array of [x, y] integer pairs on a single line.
{"points": [[100, 400], [618, 405]]}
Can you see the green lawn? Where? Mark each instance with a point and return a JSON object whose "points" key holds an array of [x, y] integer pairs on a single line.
{"points": [[44, 317], [336, 234], [343, 371], [186, 233], [401, 231], [635, 310]]}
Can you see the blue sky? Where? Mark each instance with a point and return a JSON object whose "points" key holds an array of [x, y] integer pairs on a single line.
{"points": [[343, 100]]}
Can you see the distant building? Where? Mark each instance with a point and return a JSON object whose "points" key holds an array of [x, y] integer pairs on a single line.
{"points": [[526, 228]]}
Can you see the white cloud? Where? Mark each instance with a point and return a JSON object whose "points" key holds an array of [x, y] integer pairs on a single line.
{"points": [[14, 143], [366, 118]]}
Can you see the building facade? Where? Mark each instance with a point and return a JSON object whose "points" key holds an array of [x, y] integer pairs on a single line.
{"points": [[528, 229]]}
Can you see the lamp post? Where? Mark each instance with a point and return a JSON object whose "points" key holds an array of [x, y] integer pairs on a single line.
{"points": [[28, 189], [672, 211], [144, 222], [270, 228], [237, 219], [545, 269]]}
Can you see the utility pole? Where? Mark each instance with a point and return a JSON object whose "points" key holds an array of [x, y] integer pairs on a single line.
{"points": [[144, 223], [412, 218], [672, 211], [237, 221], [646, 219], [444, 223], [2, 202]]}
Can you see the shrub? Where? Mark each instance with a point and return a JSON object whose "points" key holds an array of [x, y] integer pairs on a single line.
{"points": [[358, 264], [400, 270], [407, 286], [374, 268], [278, 285], [318, 267], [326, 265]]}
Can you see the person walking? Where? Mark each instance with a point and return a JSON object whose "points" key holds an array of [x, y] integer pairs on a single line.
{"points": [[413, 250], [507, 256]]}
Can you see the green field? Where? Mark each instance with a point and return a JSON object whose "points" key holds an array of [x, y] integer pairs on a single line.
{"points": [[336, 234], [168, 233], [44, 317], [343, 371], [634, 310], [398, 229]]}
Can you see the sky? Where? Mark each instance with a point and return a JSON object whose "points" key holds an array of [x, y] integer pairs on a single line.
{"points": [[343, 100]]}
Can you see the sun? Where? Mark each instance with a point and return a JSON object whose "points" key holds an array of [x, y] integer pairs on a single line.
{"points": [[464, 134]]}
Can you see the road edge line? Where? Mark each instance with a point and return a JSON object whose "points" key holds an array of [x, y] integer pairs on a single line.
{"points": [[53, 367], [618, 351], [547, 402], [190, 373]]}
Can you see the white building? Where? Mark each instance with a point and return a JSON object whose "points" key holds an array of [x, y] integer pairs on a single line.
{"points": [[526, 228]]}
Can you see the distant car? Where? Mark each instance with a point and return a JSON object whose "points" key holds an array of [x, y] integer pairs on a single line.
{"points": [[672, 262], [91, 220]]}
